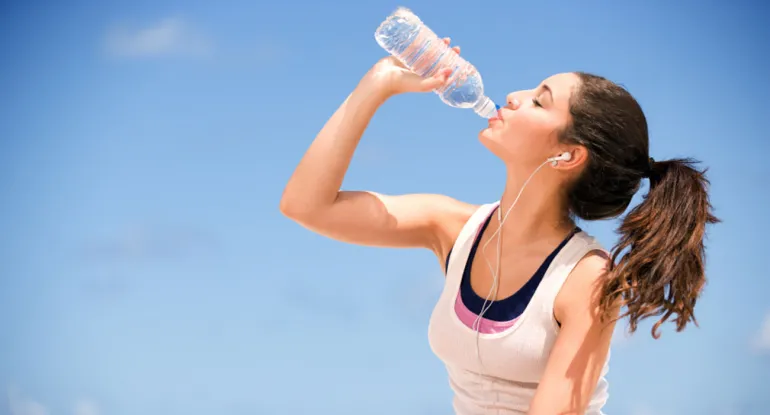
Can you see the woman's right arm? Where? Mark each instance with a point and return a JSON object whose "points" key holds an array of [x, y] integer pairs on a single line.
{"points": [[313, 197]]}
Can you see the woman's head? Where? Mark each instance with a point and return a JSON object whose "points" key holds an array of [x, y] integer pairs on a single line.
{"points": [[658, 263], [529, 125]]}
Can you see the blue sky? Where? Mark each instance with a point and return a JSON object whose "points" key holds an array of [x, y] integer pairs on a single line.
{"points": [[145, 267]]}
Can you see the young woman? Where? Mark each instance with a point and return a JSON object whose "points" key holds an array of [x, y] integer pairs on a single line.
{"points": [[530, 300]]}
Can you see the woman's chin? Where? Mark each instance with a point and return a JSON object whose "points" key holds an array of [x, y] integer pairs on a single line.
{"points": [[488, 136], [490, 140]]}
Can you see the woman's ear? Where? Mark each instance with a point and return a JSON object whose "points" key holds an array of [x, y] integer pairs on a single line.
{"points": [[570, 158]]}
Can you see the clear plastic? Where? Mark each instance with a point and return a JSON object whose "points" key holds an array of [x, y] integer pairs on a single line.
{"points": [[408, 39]]}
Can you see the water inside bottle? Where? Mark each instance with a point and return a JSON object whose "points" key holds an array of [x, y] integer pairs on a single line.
{"points": [[407, 38]]}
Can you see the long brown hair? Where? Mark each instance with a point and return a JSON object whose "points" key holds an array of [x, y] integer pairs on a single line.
{"points": [[657, 267]]}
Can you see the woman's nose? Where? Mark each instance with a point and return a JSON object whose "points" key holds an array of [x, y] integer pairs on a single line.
{"points": [[514, 99], [513, 103]]}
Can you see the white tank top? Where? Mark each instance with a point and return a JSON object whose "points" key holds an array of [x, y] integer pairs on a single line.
{"points": [[513, 360]]}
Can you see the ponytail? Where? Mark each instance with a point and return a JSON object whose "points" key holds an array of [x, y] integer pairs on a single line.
{"points": [[657, 267]]}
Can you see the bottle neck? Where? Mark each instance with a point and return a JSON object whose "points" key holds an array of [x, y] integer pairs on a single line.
{"points": [[485, 108]]}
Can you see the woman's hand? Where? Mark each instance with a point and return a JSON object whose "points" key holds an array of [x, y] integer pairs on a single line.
{"points": [[390, 77]]}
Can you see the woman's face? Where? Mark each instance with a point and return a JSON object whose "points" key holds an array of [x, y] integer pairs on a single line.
{"points": [[526, 132]]}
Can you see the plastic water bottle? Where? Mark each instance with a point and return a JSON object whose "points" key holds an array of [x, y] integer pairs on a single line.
{"points": [[407, 38]]}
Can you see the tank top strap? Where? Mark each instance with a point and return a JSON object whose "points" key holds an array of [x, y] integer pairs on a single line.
{"points": [[563, 264], [464, 243]]}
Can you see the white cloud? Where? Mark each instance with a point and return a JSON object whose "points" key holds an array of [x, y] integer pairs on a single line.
{"points": [[21, 405], [142, 242], [168, 37], [86, 407], [762, 338]]}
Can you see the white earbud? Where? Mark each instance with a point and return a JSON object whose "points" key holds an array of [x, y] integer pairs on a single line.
{"points": [[566, 156]]}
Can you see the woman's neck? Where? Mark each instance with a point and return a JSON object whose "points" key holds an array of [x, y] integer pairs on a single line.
{"points": [[539, 213]]}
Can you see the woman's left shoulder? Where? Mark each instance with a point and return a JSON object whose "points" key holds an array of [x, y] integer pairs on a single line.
{"points": [[582, 287]]}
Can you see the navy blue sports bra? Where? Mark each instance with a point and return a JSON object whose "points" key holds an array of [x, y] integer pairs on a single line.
{"points": [[508, 308]]}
